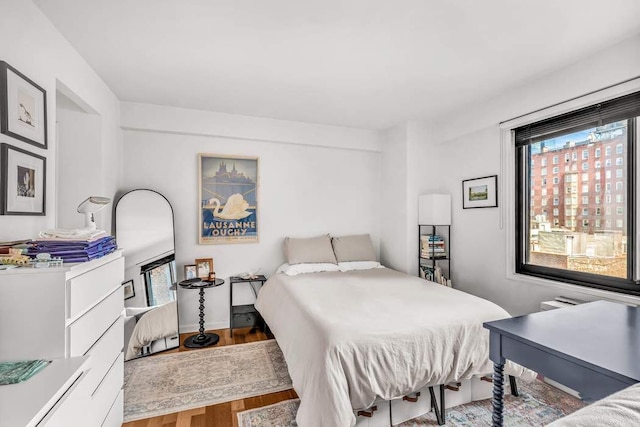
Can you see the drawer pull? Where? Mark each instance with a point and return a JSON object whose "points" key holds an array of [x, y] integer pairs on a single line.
{"points": [[453, 386], [411, 399], [487, 379], [369, 413]]}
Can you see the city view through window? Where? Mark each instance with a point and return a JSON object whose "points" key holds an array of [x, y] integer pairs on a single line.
{"points": [[578, 201]]}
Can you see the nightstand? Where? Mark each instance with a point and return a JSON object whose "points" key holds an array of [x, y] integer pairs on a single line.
{"points": [[242, 316]]}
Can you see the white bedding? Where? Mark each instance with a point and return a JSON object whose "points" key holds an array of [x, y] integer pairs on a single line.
{"points": [[621, 409], [350, 338], [157, 323]]}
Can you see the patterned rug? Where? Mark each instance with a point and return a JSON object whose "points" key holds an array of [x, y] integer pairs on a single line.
{"points": [[163, 384], [538, 404]]}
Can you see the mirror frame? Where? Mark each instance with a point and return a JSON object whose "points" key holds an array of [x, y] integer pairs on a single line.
{"points": [[114, 227]]}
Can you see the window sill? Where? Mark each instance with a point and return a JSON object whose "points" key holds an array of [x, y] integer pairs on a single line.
{"points": [[590, 294]]}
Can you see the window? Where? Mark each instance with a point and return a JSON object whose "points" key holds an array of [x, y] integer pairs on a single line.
{"points": [[543, 192], [556, 211], [555, 160], [543, 171], [556, 191], [543, 161], [556, 170], [556, 180], [544, 181], [619, 198], [614, 126], [158, 277], [567, 157]]}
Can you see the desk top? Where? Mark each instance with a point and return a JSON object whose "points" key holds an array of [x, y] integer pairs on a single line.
{"points": [[602, 335]]}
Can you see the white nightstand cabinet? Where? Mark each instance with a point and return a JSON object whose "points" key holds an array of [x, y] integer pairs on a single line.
{"points": [[65, 312]]}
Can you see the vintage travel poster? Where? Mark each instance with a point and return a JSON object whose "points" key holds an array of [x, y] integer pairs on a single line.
{"points": [[228, 199]]}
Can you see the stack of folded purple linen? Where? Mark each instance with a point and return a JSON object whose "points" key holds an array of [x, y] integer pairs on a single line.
{"points": [[80, 250]]}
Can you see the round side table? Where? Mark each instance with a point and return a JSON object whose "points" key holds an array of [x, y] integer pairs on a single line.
{"points": [[201, 339]]}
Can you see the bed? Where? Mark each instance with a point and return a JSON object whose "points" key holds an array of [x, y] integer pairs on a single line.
{"points": [[149, 327], [350, 338], [621, 409]]}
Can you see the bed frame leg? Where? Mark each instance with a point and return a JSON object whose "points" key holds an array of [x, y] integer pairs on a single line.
{"points": [[514, 386], [438, 410]]}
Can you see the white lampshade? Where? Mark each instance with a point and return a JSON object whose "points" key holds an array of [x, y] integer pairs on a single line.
{"points": [[434, 209]]}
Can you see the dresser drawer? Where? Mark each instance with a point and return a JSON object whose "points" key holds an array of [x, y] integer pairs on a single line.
{"points": [[87, 289], [107, 392], [116, 413], [68, 411], [85, 331], [103, 353]]}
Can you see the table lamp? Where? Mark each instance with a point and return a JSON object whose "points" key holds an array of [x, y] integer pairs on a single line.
{"points": [[90, 206]]}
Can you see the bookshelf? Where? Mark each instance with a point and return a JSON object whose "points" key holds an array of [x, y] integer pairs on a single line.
{"points": [[434, 250]]}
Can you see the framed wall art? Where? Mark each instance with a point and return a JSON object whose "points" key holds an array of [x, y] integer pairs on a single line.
{"points": [[23, 107], [23, 182], [480, 192], [129, 289], [228, 199]]}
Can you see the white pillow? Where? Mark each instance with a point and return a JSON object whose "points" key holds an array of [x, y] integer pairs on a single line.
{"points": [[359, 265], [316, 267]]}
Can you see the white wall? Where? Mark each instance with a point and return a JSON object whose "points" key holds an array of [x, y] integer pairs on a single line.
{"points": [[469, 147], [307, 186], [30, 43]]}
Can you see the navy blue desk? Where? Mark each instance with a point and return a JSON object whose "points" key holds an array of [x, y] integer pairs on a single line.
{"points": [[593, 348]]}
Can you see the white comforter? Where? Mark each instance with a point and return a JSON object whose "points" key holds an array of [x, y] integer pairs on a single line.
{"points": [[154, 324], [351, 338], [621, 409]]}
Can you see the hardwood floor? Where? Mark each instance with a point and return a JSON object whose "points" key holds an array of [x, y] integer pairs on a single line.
{"points": [[222, 414]]}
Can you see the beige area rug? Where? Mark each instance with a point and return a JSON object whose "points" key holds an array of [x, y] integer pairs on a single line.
{"points": [[538, 404], [164, 384]]}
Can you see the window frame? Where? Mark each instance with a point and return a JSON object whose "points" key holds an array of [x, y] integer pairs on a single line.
{"points": [[627, 285]]}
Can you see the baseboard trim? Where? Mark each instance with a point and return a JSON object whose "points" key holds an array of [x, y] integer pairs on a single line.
{"points": [[194, 327]]}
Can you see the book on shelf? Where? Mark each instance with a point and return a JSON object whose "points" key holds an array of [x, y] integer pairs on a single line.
{"points": [[432, 247]]}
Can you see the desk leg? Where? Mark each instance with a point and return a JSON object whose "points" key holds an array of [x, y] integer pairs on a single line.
{"points": [[498, 394]]}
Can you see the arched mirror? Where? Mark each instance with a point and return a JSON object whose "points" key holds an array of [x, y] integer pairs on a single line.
{"points": [[144, 230]]}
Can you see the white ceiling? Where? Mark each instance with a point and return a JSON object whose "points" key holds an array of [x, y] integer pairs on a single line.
{"points": [[360, 63]]}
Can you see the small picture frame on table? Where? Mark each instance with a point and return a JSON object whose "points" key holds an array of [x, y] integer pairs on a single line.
{"points": [[129, 289], [23, 182], [204, 267], [480, 192], [190, 271], [23, 107]]}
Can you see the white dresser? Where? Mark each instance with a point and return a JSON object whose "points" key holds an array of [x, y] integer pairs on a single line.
{"points": [[65, 312]]}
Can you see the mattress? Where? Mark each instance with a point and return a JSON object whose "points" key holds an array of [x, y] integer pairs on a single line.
{"points": [[350, 338], [621, 409]]}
